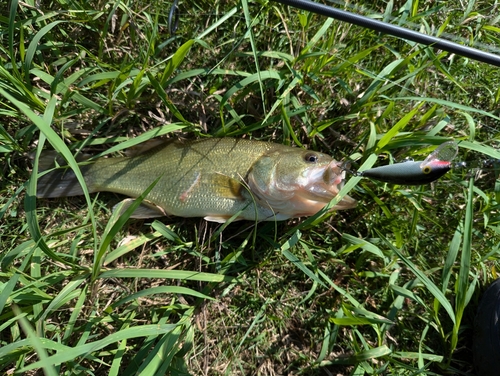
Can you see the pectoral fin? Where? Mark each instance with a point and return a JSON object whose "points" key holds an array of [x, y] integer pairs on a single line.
{"points": [[227, 187], [144, 211]]}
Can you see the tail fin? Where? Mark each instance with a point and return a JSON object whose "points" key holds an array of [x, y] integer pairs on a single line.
{"points": [[61, 182]]}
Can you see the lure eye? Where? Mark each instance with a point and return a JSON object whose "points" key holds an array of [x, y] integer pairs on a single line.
{"points": [[311, 158], [426, 169]]}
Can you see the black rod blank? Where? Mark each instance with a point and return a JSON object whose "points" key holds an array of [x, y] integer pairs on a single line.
{"points": [[394, 30]]}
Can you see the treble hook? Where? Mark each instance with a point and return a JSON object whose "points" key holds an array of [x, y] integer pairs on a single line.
{"points": [[173, 18]]}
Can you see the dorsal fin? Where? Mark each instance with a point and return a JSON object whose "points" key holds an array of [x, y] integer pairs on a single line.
{"points": [[146, 146]]}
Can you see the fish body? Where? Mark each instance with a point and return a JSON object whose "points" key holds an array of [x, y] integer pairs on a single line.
{"points": [[213, 178]]}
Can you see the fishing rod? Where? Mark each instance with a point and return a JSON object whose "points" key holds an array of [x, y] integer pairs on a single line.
{"points": [[397, 31], [438, 162]]}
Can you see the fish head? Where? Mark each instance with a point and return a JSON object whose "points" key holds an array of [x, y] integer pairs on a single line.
{"points": [[297, 182]]}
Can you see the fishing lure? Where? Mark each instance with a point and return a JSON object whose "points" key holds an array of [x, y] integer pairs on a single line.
{"points": [[432, 168]]}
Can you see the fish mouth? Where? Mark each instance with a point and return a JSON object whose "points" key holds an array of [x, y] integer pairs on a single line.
{"points": [[326, 182]]}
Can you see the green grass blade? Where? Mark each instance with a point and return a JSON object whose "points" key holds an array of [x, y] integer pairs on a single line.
{"points": [[7, 290], [250, 23], [318, 36], [430, 286], [14, 4], [116, 365], [130, 246], [34, 45], [146, 136], [296, 261], [450, 104], [451, 257], [62, 149], [462, 286], [69, 292], [175, 61], [30, 198], [71, 329], [365, 355], [115, 224], [225, 17], [480, 148], [161, 290], [163, 95], [397, 128], [33, 338], [161, 355], [85, 349], [167, 274], [242, 84]]}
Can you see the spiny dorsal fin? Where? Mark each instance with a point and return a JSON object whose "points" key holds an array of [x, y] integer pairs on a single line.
{"points": [[145, 146]]}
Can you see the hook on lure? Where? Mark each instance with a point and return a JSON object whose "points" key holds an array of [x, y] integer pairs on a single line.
{"points": [[432, 168]]}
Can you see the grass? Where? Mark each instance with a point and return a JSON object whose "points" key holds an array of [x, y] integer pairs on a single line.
{"points": [[390, 287]]}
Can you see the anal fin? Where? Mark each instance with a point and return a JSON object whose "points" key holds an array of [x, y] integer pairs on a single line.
{"points": [[144, 211], [219, 218]]}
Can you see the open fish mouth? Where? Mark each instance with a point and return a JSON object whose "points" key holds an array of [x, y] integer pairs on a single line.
{"points": [[341, 184], [324, 183], [339, 168]]}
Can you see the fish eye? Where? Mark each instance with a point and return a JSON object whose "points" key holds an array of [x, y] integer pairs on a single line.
{"points": [[311, 157], [426, 169]]}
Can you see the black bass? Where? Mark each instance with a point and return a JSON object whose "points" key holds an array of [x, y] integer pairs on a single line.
{"points": [[214, 178]]}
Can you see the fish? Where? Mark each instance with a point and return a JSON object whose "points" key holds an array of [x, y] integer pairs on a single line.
{"points": [[213, 178]]}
